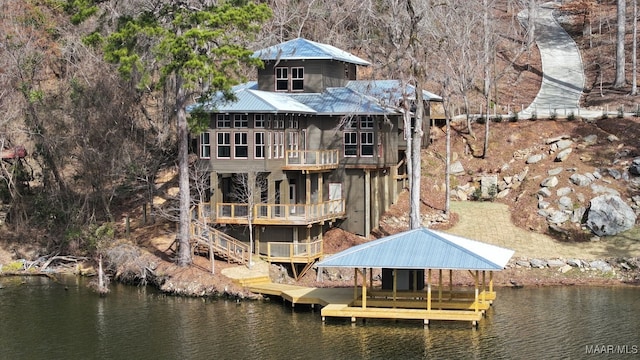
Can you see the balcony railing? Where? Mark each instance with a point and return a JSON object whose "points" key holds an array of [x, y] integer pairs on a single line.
{"points": [[311, 159], [293, 252], [278, 214]]}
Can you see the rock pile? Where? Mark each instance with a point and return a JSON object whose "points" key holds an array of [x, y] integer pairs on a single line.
{"points": [[627, 268], [586, 200]]}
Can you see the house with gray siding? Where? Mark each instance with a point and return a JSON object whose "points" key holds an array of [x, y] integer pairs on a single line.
{"points": [[306, 147]]}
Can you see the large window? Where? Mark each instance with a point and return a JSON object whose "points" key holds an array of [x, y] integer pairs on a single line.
{"points": [[297, 79], [359, 137], [350, 144], [366, 144], [205, 146], [278, 145], [240, 145], [282, 79], [289, 79], [224, 145], [259, 145]]}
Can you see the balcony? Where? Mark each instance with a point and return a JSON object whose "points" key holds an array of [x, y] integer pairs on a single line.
{"points": [[302, 252], [312, 160], [276, 214]]}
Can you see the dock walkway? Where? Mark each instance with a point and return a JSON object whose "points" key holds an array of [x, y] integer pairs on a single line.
{"points": [[342, 302]]}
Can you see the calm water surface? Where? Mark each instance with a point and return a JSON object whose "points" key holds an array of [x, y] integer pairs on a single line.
{"points": [[43, 319]]}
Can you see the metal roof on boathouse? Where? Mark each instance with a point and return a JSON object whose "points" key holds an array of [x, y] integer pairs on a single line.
{"points": [[422, 249]]}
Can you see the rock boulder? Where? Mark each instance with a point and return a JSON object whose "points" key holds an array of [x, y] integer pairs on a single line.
{"points": [[609, 215]]}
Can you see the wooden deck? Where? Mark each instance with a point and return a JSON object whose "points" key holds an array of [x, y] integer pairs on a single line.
{"points": [[343, 302]]}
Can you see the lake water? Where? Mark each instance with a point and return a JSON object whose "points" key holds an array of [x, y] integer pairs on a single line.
{"points": [[43, 319]]}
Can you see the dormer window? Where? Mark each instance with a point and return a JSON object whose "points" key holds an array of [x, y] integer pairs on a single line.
{"points": [[289, 79]]}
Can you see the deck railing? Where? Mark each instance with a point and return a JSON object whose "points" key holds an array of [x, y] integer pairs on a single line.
{"points": [[294, 252], [266, 214], [314, 159]]}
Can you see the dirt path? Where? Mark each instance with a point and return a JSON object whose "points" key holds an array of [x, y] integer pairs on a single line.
{"points": [[491, 223]]}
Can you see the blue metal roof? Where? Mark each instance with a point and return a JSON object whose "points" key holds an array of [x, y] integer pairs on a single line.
{"points": [[334, 101], [342, 101], [389, 90], [422, 249], [303, 49], [250, 100]]}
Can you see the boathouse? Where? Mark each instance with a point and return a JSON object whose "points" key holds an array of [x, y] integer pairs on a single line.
{"points": [[415, 277]]}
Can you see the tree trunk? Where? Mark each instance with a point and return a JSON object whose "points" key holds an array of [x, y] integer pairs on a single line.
{"points": [[634, 60], [487, 80], [416, 144], [620, 61], [447, 199], [184, 246]]}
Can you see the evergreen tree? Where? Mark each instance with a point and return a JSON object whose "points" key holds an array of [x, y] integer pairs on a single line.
{"points": [[194, 47]]}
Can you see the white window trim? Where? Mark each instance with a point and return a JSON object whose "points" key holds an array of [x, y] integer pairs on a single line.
{"points": [[350, 144], [259, 145], [205, 145], [237, 145], [223, 121], [363, 144], [218, 145], [240, 121]]}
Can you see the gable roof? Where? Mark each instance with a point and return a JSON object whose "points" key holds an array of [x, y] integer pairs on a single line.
{"points": [[303, 49], [422, 249]]}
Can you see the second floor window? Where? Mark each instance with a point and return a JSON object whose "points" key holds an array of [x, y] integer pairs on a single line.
{"points": [[282, 79], [278, 145], [224, 145], [258, 153], [350, 144], [366, 144], [294, 144], [289, 79], [297, 79], [240, 145], [205, 146]]}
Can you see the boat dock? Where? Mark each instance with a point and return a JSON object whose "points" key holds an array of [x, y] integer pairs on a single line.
{"points": [[347, 303]]}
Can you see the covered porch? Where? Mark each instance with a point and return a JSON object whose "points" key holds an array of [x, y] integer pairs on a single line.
{"points": [[416, 277]]}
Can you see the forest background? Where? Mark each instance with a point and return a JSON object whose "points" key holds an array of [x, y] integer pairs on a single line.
{"points": [[97, 141]]}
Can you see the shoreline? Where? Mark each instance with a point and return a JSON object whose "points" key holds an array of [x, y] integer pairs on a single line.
{"points": [[514, 277], [197, 280]]}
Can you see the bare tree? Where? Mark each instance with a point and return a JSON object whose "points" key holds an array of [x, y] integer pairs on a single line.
{"points": [[621, 19], [248, 188]]}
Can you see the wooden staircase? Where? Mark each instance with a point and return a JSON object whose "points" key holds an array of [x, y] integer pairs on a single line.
{"points": [[205, 239]]}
